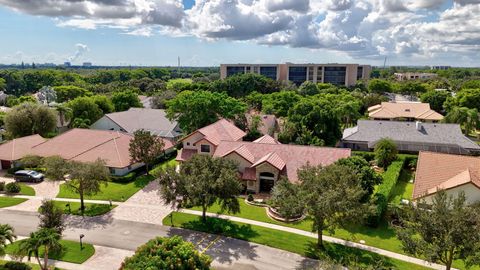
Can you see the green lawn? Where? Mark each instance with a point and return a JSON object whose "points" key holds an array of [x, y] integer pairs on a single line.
{"points": [[119, 192], [10, 201], [91, 209], [162, 166], [403, 189], [70, 252], [26, 190], [302, 245]]}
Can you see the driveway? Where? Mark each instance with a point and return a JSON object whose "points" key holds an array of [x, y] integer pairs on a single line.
{"points": [[46, 189], [144, 206]]}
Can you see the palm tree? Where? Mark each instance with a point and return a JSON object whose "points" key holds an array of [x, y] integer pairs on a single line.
{"points": [[466, 117], [47, 238], [6, 234], [64, 113]]}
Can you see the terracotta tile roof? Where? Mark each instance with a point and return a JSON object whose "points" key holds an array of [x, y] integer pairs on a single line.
{"points": [[417, 110], [273, 159], [185, 154], [222, 130], [242, 150], [249, 174], [18, 148], [294, 156], [267, 139], [444, 171]]}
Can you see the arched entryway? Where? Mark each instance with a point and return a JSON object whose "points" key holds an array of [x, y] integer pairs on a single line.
{"points": [[267, 181]]}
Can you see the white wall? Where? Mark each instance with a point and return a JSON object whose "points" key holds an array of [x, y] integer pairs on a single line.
{"points": [[124, 171], [106, 123], [472, 193]]}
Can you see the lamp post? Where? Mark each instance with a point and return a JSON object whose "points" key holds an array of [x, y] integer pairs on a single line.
{"points": [[81, 244]]}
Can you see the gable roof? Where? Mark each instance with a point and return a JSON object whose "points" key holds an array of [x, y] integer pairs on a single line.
{"points": [[267, 139], [417, 110], [444, 171], [285, 157], [152, 120], [20, 147], [222, 130], [430, 133]]}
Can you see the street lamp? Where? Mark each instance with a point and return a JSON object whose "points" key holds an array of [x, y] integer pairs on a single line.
{"points": [[81, 245]]}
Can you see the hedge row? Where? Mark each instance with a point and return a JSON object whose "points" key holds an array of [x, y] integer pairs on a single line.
{"points": [[384, 191], [129, 177]]}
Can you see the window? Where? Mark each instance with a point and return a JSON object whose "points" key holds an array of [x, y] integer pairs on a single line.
{"points": [[232, 70], [188, 143], [269, 72], [297, 74], [205, 148], [335, 75]]}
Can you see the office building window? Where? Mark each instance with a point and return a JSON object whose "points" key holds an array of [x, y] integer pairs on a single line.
{"points": [[235, 70], [310, 73], [335, 75], [269, 72], [297, 75], [205, 148], [319, 74], [360, 73]]}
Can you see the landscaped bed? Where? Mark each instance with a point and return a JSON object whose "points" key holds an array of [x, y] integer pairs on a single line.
{"points": [[112, 191], [302, 245], [71, 251], [10, 201], [91, 209]]}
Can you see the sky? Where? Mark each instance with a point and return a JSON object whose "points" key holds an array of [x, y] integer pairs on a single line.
{"points": [[210, 32]]}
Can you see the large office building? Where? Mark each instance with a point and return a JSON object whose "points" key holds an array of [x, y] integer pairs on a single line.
{"points": [[337, 74]]}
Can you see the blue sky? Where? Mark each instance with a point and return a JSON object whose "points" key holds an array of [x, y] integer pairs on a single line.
{"points": [[208, 33]]}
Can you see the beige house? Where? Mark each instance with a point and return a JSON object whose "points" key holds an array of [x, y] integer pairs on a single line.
{"points": [[452, 173], [404, 111], [261, 162]]}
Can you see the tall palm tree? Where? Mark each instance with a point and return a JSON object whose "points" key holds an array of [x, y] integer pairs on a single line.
{"points": [[64, 113], [466, 117], [6, 234], [47, 238]]}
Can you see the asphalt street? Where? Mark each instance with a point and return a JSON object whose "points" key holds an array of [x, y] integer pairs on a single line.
{"points": [[227, 253]]}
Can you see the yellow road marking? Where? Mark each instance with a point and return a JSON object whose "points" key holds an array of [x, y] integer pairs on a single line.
{"points": [[201, 240], [211, 244]]}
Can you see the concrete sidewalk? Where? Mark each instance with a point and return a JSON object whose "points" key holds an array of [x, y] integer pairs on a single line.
{"points": [[325, 238]]}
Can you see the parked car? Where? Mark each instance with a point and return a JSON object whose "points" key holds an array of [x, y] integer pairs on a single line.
{"points": [[28, 176]]}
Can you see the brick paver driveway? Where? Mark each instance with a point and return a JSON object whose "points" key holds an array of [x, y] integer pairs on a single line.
{"points": [[144, 206]]}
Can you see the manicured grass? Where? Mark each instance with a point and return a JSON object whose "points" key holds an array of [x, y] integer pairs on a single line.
{"points": [[26, 190], [91, 209], [70, 252], [302, 245], [119, 192], [162, 166], [403, 189], [10, 201]]}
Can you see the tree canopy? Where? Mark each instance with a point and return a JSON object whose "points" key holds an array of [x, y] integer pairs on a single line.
{"points": [[124, 100], [145, 147], [194, 110], [30, 118], [385, 152]]}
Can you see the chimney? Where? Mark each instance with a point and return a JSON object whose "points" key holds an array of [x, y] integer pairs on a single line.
{"points": [[418, 124]]}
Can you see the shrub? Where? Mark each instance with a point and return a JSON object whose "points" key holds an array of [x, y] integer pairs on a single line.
{"points": [[14, 169], [129, 177], [384, 191], [368, 156], [167, 253], [385, 152], [2, 186], [12, 265], [12, 187], [250, 198], [286, 199], [31, 161]]}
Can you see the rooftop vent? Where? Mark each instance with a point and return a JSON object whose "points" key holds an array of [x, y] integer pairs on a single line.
{"points": [[407, 110], [418, 125]]}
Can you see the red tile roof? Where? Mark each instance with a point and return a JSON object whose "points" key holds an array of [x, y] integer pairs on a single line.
{"points": [[267, 139], [293, 156], [185, 154], [18, 148], [222, 130], [272, 159], [444, 171]]}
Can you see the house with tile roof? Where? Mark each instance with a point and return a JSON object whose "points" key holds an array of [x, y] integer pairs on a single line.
{"points": [[410, 137], [153, 120], [452, 173], [84, 145], [404, 111], [261, 162]]}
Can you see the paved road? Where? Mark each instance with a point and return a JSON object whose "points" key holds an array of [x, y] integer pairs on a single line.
{"points": [[227, 253]]}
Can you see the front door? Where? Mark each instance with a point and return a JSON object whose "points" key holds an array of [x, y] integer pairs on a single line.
{"points": [[267, 181], [5, 164]]}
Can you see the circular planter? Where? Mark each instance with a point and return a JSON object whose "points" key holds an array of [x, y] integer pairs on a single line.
{"points": [[273, 214], [253, 203]]}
